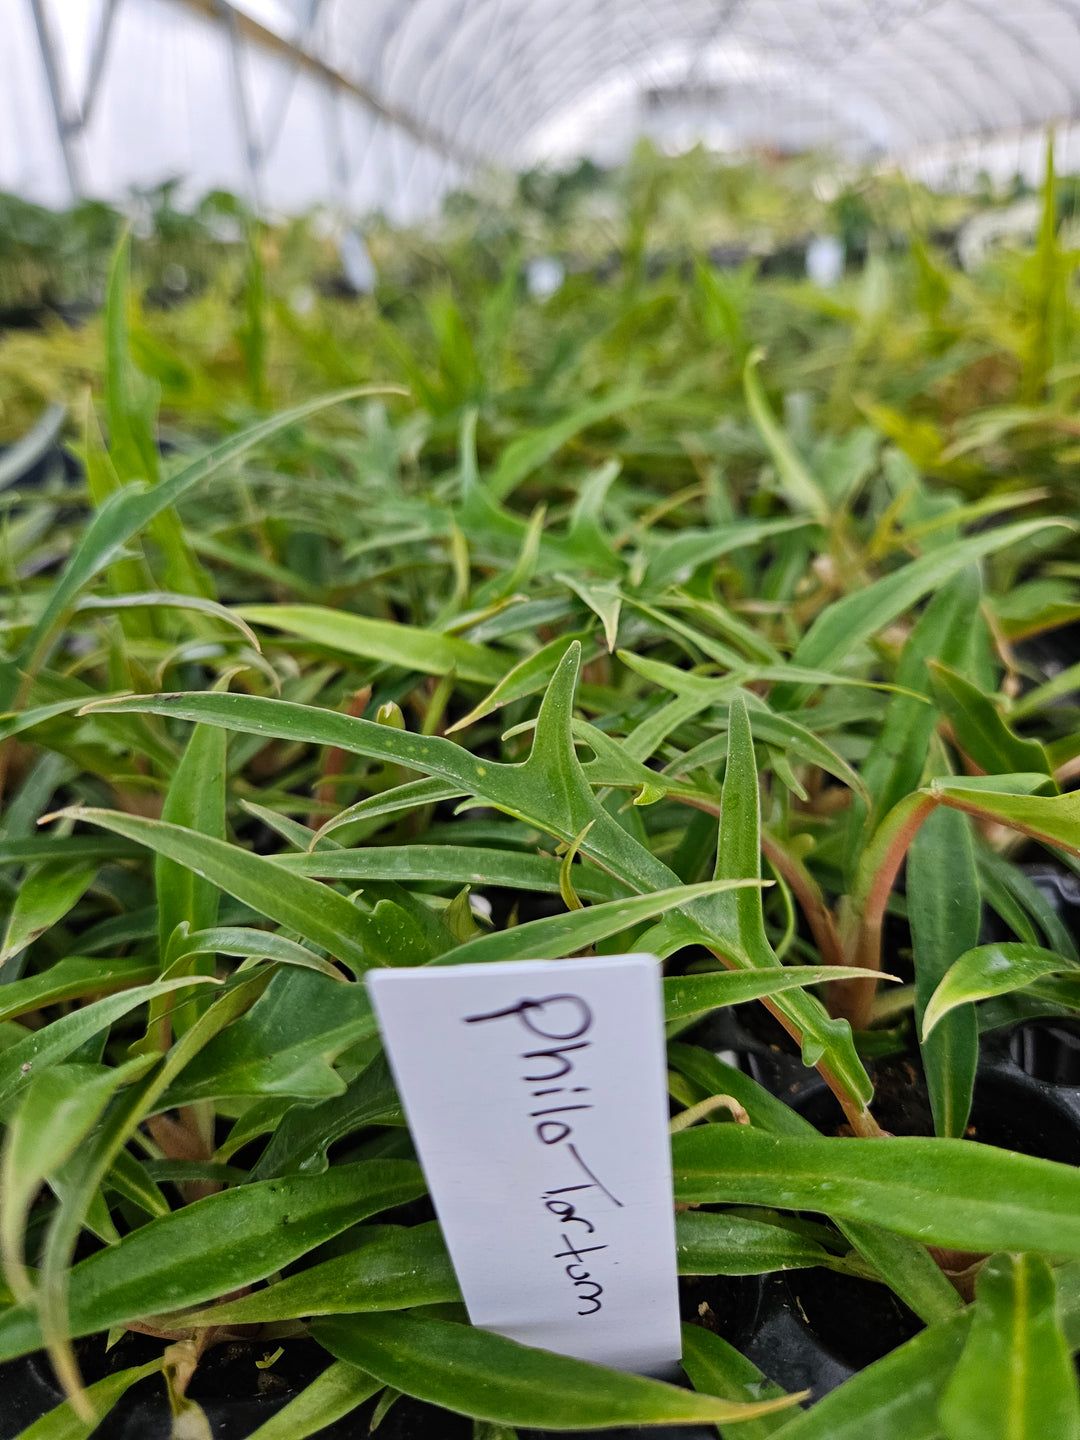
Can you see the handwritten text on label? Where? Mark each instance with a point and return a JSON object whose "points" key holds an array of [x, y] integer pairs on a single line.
{"points": [[567, 1018]]}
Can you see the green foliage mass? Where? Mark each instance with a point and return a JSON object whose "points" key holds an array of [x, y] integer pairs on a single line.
{"points": [[673, 612]]}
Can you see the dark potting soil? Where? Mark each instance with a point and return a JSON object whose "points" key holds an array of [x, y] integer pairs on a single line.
{"points": [[814, 1328]]}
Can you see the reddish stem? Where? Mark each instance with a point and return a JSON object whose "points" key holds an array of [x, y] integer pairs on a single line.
{"points": [[853, 1000]]}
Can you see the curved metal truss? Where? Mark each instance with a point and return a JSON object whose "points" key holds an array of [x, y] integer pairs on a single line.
{"points": [[389, 102]]}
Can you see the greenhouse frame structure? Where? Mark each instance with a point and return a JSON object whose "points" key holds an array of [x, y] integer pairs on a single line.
{"points": [[388, 104]]}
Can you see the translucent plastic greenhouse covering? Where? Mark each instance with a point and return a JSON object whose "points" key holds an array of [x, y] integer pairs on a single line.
{"points": [[389, 103]]}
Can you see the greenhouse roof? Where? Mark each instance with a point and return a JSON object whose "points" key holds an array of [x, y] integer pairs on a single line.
{"points": [[389, 103]]}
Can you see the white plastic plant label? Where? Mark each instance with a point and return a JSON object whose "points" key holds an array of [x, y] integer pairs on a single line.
{"points": [[536, 1094]]}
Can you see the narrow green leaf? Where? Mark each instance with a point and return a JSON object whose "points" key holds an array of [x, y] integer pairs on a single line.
{"points": [[37, 715], [560, 934], [979, 729], [63, 1423], [284, 1045], [29, 849], [58, 1109], [25, 453], [337, 1392], [314, 911], [738, 916], [217, 1244], [79, 1187], [755, 645], [55, 1042], [531, 448], [699, 642], [848, 622], [687, 995], [295, 835], [71, 979], [615, 764], [672, 555], [945, 913], [44, 898], [739, 848], [605, 601], [713, 689], [943, 631], [1006, 886], [586, 512], [131, 399], [713, 1076], [252, 945], [491, 1378], [988, 970], [129, 394], [131, 1179], [953, 1193], [396, 1269], [305, 1133], [428, 651], [800, 488], [1067, 682], [524, 678], [195, 800], [166, 599], [451, 864], [1015, 1379], [791, 737], [716, 1368], [726, 1243], [1054, 819], [409, 796]]}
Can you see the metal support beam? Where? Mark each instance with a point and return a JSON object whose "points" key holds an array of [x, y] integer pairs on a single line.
{"points": [[252, 150], [339, 155], [98, 57], [276, 113], [266, 39], [64, 129]]}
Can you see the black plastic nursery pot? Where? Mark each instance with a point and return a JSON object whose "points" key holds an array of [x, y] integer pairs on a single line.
{"points": [[815, 1329]]}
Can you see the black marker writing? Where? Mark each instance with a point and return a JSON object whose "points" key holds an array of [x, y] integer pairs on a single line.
{"points": [[567, 1020]]}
